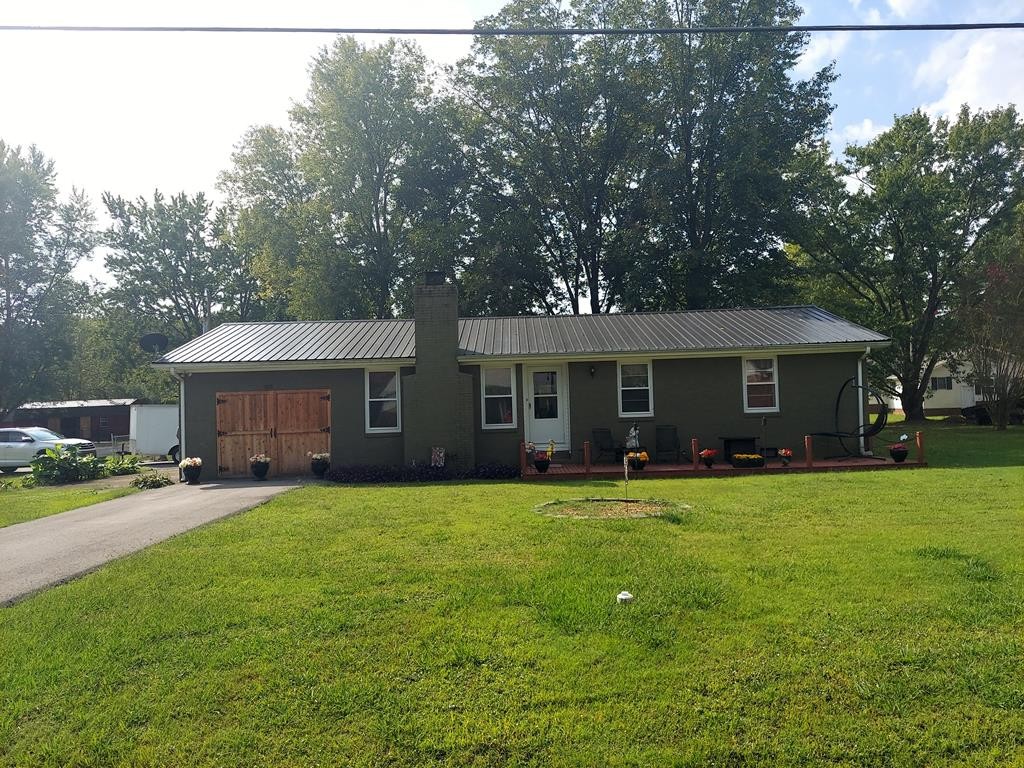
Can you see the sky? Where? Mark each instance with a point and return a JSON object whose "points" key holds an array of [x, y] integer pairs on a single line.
{"points": [[131, 113]]}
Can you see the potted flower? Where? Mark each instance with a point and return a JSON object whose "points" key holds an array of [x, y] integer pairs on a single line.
{"points": [[191, 467], [744, 460], [541, 459], [786, 454], [637, 459], [708, 455], [259, 464], [319, 463], [898, 451]]}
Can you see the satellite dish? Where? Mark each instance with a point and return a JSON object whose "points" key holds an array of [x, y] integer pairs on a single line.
{"points": [[154, 343]]}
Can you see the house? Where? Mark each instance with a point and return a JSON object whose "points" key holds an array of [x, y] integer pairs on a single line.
{"points": [[97, 420], [947, 393], [392, 391]]}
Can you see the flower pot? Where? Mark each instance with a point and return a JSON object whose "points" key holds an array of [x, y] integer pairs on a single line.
{"points": [[191, 475], [785, 461], [319, 468], [541, 465], [708, 461], [898, 456], [259, 471], [637, 464]]}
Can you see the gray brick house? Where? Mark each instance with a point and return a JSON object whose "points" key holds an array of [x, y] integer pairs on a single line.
{"points": [[393, 391]]}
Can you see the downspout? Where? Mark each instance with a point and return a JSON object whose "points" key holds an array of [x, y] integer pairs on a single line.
{"points": [[860, 401], [180, 378]]}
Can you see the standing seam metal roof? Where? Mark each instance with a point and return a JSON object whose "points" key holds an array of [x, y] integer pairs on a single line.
{"points": [[654, 332]]}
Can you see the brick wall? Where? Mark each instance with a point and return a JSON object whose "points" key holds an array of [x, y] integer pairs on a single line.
{"points": [[438, 398]]}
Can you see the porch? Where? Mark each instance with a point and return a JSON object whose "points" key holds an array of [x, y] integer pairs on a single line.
{"points": [[568, 470]]}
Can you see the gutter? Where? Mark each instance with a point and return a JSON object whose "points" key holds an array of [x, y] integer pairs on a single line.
{"points": [[860, 400], [180, 378]]}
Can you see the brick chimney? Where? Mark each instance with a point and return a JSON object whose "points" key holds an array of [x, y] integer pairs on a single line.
{"points": [[438, 408]]}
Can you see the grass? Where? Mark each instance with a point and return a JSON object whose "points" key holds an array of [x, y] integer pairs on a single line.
{"points": [[861, 619], [18, 504]]}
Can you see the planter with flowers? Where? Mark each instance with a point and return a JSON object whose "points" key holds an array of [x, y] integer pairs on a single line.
{"points": [[708, 456], [786, 455], [899, 451], [319, 463], [541, 459], [637, 459], [191, 467], [746, 460], [260, 465]]}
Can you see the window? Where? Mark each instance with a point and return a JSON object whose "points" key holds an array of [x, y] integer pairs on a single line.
{"points": [[498, 394], [760, 385], [942, 382], [635, 393], [383, 390], [104, 422]]}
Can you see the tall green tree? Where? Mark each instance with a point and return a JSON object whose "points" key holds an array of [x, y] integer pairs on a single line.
{"points": [[174, 266], [894, 229], [731, 119], [42, 239], [563, 140]]}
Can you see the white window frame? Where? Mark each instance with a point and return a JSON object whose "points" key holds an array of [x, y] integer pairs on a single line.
{"points": [[650, 389], [775, 381], [483, 398], [366, 401]]}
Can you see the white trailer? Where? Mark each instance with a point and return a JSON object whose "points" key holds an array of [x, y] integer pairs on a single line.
{"points": [[154, 430]]}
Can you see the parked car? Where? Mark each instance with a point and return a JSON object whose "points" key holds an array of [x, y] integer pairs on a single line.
{"points": [[20, 445], [982, 414]]}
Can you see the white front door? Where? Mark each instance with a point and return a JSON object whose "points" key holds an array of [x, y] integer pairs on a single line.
{"points": [[547, 416]]}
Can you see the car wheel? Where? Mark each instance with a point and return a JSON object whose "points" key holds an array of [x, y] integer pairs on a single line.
{"points": [[175, 454], [8, 470]]}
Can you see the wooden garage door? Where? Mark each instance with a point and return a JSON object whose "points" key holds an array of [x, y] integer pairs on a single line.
{"points": [[285, 425]]}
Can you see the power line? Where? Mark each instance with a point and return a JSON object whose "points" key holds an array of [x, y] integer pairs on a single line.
{"points": [[527, 31]]}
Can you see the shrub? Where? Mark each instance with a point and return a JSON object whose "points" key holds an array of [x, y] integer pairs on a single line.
{"points": [[151, 480], [123, 465], [58, 466], [417, 473]]}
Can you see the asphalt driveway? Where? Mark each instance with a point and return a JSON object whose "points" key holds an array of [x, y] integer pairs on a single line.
{"points": [[51, 550]]}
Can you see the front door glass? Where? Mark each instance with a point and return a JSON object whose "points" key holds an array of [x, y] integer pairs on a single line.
{"points": [[545, 394]]}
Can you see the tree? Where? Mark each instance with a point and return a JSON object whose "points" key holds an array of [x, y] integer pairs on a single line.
{"points": [[562, 140], [175, 267], [895, 228], [993, 320], [733, 120], [42, 239]]}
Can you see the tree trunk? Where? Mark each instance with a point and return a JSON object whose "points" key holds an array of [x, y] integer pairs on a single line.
{"points": [[913, 406]]}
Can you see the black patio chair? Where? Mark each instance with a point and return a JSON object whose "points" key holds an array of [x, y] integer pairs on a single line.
{"points": [[666, 443], [854, 436], [602, 446]]}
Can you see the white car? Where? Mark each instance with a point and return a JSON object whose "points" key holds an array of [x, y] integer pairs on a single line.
{"points": [[20, 445]]}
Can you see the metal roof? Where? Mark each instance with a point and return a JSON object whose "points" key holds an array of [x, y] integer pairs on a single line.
{"points": [[568, 335], [78, 404]]}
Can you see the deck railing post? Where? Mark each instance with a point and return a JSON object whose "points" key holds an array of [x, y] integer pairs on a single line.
{"points": [[586, 457], [522, 458], [695, 452], [919, 439], [809, 450]]}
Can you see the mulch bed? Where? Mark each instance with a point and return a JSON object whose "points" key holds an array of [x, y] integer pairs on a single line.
{"points": [[608, 509]]}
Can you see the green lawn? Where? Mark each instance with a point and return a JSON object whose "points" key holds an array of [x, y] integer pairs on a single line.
{"points": [[870, 618], [19, 504]]}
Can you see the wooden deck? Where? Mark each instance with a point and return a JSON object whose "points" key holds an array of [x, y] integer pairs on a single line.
{"points": [[567, 471]]}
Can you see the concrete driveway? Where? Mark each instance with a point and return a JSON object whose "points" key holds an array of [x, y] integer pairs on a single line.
{"points": [[51, 550]]}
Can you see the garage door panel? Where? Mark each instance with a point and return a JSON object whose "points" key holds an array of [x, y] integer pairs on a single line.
{"points": [[284, 424]]}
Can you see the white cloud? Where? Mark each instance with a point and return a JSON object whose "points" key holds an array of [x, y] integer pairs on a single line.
{"points": [[862, 132], [822, 49], [905, 8], [982, 69]]}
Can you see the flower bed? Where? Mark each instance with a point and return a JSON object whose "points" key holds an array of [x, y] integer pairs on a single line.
{"points": [[418, 473], [747, 460]]}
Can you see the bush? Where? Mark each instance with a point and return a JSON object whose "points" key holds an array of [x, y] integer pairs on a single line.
{"points": [[151, 480], [417, 473], [123, 465], [66, 465]]}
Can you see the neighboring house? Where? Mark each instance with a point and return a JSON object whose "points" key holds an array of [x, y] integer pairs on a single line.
{"points": [[97, 420], [390, 391], [947, 393]]}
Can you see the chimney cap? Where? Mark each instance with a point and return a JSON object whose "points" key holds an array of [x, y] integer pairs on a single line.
{"points": [[433, 277]]}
